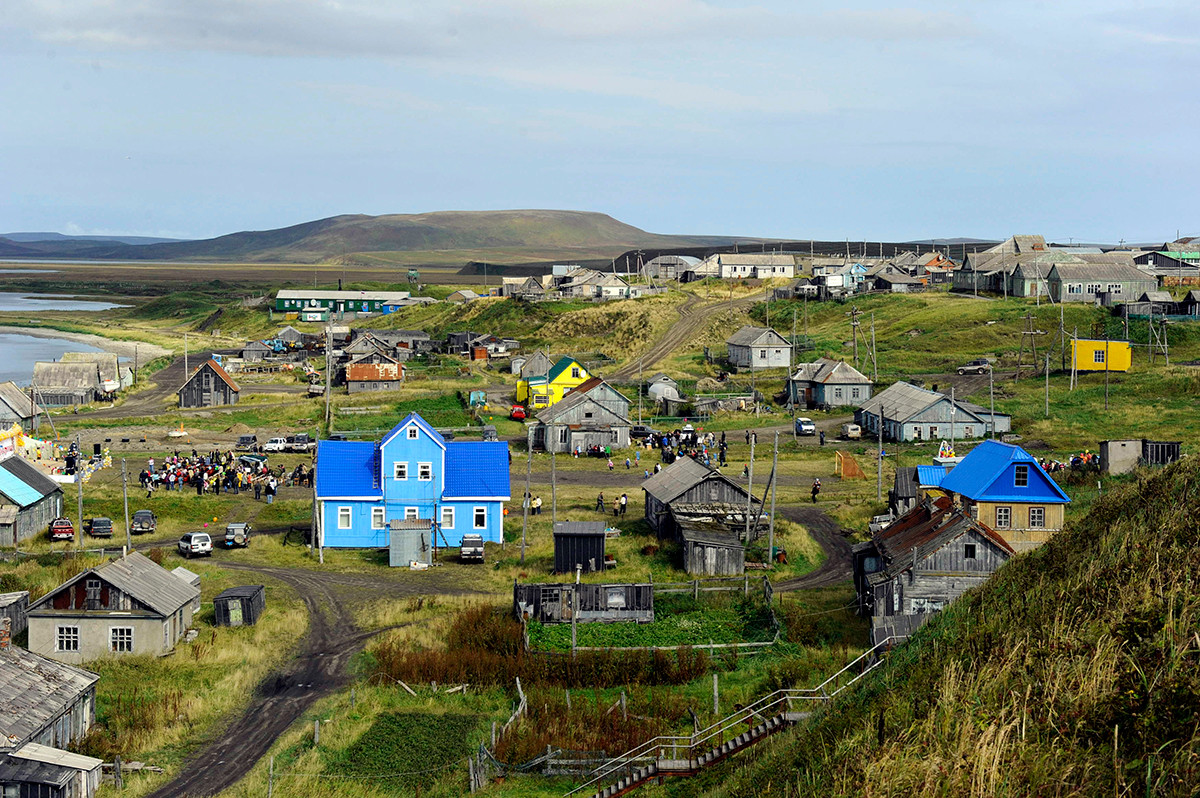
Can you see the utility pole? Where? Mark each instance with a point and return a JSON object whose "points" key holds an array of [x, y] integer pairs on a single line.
{"points": [[879, 460], [750, 485], [641, 385], [874, 360], [774, 489], [125, 496], [853, 313], [527, 500], [79, 484], [186, 373], [328, 377], [953, 413], [553, 491], [992, 397]]}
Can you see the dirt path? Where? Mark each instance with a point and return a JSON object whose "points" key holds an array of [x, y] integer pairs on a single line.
{"points": [[319, 668], [692, 316], [832, 539]]}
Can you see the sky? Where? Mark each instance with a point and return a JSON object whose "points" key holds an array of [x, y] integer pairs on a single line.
{"points": [[859, 120]]}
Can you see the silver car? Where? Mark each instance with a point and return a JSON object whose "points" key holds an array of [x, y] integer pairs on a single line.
{"points": [[195, 544]]}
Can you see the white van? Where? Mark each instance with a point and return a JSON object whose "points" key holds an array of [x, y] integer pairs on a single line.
{"points": [[851, 431]]}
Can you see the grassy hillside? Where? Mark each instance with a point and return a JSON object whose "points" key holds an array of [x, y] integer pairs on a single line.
{"points": [[1072, 672]]}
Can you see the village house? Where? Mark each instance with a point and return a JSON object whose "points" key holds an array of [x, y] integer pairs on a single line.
{"points": [[536, 365], [374, 373], [747, 265], [537, 391], [113, 376], [209, 385], [758, 348], [670, 267], [339, 303], [461, 296], [45, 707], [1004, 487], [592, 414], [59, 384], [412, 473], [129, 605], [1169, 269], [255, 352], [840, 278], [1109, 284], [911, 413], [688, 482], [29, 501], [827, 383], [17, 407], [1100, 355], [922, 562]]}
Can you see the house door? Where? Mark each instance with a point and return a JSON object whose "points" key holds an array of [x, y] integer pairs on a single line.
{"points": [[206, 396], [235, 613]]}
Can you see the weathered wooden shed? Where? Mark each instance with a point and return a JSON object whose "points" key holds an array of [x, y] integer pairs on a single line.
{"points": [[17, 407], [239, 606], [560, 603], [687, 481], [207, 386], [193, 580], [255, 351], [14, 607], [29, 501], [61, 384], [410, 540], [578, 543], [712, 552]]}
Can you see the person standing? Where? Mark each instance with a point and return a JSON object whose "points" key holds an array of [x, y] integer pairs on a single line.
{"points": [[271, 486], [822, 437], [257, 490], [624, 502], [616, 506], [816, 488]]}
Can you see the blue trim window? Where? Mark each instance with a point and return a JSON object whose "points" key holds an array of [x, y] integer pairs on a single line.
{"points": [[1021, 475]]}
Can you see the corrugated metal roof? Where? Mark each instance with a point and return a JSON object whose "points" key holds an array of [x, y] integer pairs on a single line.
{"points": [[146, 581], [930, 476], [36, 752], [901, 400], [579, 528], [905, 483], [562, 365], [346, 468], [827, 372], [750, 335], [31, 475], [477, 469], [974, 475], [349, 296], [7, 599], [18, 401], [1100, 271], [70, 376], [34, 691], [923, 530], [379, 372], [107, 362], [16, 491], [670, 483], [15, 770], [243, 591]]}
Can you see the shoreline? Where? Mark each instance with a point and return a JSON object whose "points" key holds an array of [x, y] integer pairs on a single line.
{"points": [[145, 352]]}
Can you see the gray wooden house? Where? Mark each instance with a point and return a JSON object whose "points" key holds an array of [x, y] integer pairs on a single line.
{"points": [[208, 386], [758, 348], [584, 603], [593, 414], [29, 501], [711, 551], [15, 608], [45, 706], [64, 384], [686, 482], [920, 563], [827, 383], [113, 376], [536, 365], [910, 413], [578, 543], [1106, 283], [410, 540], [256, 351], [125, 606], [17, 406]]}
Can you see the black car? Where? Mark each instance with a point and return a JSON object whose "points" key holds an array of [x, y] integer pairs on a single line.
{"points": [[100, 527], [143, 521], [642, 431]]}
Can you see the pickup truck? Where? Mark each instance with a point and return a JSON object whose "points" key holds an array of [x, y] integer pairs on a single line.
{"points": [[100, 527], [61, 528], [471, 549], [275, 445], [143, 521]]}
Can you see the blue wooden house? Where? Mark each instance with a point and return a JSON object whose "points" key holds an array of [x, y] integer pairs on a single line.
{"points": [[413, 473]]}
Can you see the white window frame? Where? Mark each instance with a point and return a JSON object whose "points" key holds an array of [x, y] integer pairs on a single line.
{"points": [[1098, 356], [447, 518], [413, 433], [411, 513], [1040, 513], [1074, 288], [1021, 475], [400, 471], [378, 518], [424, 472], [124, 645], [348, 513], [68, 635], [1007, 522], [475, 518]]}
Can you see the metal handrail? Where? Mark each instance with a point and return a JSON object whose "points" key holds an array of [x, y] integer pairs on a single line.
{"points": [[719, 727]]}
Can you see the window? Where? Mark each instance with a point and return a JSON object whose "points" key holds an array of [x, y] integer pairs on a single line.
{"points": [[837, 393], [1037, 517], [855, 393], [575, 372], [969, 551], [413, 432], [447, 518], [376, 518], [614, 598], [66, 638], [968, 431], [1098, 356], [1003, 517], [587, 415], [120, 639], [1074, 288], [344, 518], [481, 518], [400, 470], [614, 436], [411, 514], [93, 594], [933, 431], [1021, 475], [1093, 288], [562, 434], [1114, 288], [424, 471], [762, 354]]}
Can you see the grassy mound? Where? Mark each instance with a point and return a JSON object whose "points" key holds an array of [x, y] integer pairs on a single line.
{"points": [[1072, 672]]}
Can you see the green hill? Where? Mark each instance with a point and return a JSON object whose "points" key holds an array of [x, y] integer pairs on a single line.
{"points": [[1072, 672]]}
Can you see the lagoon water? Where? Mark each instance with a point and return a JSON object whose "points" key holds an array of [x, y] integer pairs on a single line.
{"points": [[18, 353], [20, 303]]}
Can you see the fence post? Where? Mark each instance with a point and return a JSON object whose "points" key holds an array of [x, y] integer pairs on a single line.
{"points": [[716, 696], [316, 732], [568, 692], [271, 777], [745, 584], [624, 708], [493, 735], [695, 589]]}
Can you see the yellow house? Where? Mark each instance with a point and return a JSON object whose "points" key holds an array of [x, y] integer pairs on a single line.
{"points": [[538, 391], [1091, 355]]}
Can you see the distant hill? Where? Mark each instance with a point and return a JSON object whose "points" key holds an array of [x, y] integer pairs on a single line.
{"points": [[132, 240], [506, 233]]}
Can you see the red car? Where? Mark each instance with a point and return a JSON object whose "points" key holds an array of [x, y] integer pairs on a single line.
{"points": [[518, 413], [62, 529]]}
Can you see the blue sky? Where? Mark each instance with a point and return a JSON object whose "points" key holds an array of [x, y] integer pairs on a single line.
{"points": [[784, 119]]}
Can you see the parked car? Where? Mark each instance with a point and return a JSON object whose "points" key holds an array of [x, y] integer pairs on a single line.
{"points": [[246, 443], [275, 445], [471, 549], [489, 433], [195, 544], [100, 527], [61, 528], [237, 535], [517, 413], [638, 431], [301, 443], [851, 431], [981, 366], [143, 521], [805, 426]]}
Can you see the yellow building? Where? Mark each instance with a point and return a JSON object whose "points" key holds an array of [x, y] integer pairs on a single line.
{"points": [[538, 391], [1091, 355]]}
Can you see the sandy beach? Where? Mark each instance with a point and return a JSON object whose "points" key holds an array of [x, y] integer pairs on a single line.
{"points": [[126, 349]]}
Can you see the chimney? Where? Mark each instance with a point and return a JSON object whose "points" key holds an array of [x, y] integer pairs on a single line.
{"points": [[5, 633]]}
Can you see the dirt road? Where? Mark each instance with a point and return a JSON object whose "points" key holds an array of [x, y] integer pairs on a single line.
{"points": [[319, 668], [838, 566]]}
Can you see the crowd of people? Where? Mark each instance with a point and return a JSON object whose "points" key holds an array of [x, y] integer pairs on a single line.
{"points": [[220, 472]]}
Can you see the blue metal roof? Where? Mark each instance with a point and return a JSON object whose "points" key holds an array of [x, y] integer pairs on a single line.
{"points": [[978, 476], [347, 468], [477, 469], [930, 476], [422, 423], [17, 491]]}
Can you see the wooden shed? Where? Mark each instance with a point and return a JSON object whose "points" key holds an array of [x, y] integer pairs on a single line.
{"points": [[192, 579], [410, 540], [207, 386], [578, 543], [239, 606], [14, 607], [561, 603], [688, 482], [709, 552]]}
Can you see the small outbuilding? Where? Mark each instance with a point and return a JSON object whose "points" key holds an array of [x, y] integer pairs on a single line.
{"points": [[578, 543], [1121, 457], [562, 603], [240, 606], [192, 580], [208, 386], [410, 541], [758, 348], [710, 552], [15, 607], [29, 501], [255, 351]]}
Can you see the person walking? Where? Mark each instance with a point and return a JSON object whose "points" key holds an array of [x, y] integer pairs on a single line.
{"points": [[628, 463], [616, 506], [816, 488], [537, 505], [624, 502], [600, 503], [610, 464]]}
